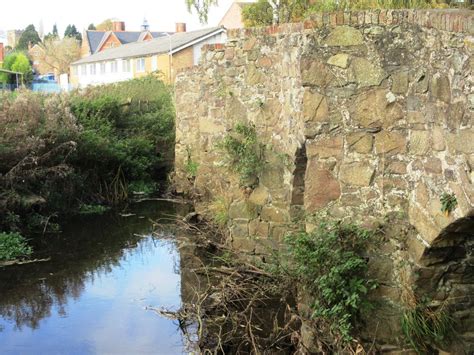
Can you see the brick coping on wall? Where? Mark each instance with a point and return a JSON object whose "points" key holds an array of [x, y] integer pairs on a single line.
{"points": [[450, 20]]}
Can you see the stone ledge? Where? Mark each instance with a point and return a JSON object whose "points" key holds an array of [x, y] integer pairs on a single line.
{"points": [[451, 20]]}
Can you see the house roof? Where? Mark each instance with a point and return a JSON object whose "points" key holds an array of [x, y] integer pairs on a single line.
{"points": [[95, 38], [159, 45]]}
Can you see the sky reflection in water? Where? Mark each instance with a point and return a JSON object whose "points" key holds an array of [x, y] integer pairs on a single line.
{"points": [[93, 302]]}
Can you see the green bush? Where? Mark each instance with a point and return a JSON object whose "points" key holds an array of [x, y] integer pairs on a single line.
{"points": [[13, 246], [244, 153], [91, 147], [330, 264]]}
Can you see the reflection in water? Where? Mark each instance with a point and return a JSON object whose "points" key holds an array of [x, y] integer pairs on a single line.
{"points": [[91, 297]]}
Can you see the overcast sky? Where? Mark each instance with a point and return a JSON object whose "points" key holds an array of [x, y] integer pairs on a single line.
{"points": [[161, 14]]}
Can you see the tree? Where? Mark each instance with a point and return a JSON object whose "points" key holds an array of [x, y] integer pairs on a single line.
{"points": [[58, 54], [52, 35], [19, 62], [267, 12], [202, 7], [71, 31], [91, 27], [106, 25], [28, 37]]}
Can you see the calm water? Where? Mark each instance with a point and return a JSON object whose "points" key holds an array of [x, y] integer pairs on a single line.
{"points": [[91, 298]]}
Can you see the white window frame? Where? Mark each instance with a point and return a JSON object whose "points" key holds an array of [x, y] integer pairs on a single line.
{"points": [[92, 69], [84, 70], [126, 65], [113, 66], [103, 67], [140, 65], [154, 63]]}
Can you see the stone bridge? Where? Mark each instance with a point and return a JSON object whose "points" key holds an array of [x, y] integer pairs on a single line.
{"points": [[363, 114]]}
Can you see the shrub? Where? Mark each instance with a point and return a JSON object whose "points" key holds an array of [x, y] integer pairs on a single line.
{"points": [[244, 153], [12, 246], [330, 265]]}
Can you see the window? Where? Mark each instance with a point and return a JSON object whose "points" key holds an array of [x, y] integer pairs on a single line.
{"points": [[154, 63], [113, 67], [74, 70], [92, 69], [83, 70], [140, 63], [102, 68], [126, 66]]}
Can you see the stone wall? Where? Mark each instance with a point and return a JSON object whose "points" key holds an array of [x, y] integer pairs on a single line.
{"points": [[362, 114]]}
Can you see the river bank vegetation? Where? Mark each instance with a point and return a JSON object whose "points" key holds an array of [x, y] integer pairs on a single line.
{"points": [[62, 154]]}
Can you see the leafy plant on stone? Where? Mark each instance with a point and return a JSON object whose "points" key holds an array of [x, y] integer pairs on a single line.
{"points": [[12, 246], [244, 154], [329, 263], [191, 166], [449, 203]]}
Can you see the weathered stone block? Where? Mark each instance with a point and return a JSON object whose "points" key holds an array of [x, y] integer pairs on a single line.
{"points": [[259, 196], [433, 166], [390, 143], [274, 214], [344, 36], [461, 142], [366, 74], [441, 88], [360, 142], [423, 224], [400, 82], [420, 142], [315, 107], [438, 139], [321, 187], [372, 109], [259, 229], [326, 148], [242, 209], [314, 72], [340, 60], [255, 76], [357, 174]]}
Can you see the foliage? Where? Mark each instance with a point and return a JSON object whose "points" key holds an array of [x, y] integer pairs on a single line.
{"points": [[72, 32], [191, 166], [92, 209], [201, 7], [329, 263], [106, 25], [244, 153], [58, 54], [449, 203], [12, 246], [29, 37], [332, 5], [424, 326], [143, 187], [52, 35], [91, 27], [91, 146], [267, 12], [18, 62], [219, 209]]}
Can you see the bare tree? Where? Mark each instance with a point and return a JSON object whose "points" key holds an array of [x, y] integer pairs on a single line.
{"points": [[58, 54]]}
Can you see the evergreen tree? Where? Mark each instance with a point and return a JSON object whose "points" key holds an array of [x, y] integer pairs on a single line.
{"points": [[52, 35], [29, 36], [55, 31], [91, 27], [71, 31]]}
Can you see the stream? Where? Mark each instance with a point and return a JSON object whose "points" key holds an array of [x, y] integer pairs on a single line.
{"points": [[94, 295]]}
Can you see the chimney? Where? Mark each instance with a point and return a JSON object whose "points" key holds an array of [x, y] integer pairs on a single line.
{"points": [[2, 52], [180, 27], [118, 26]]}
